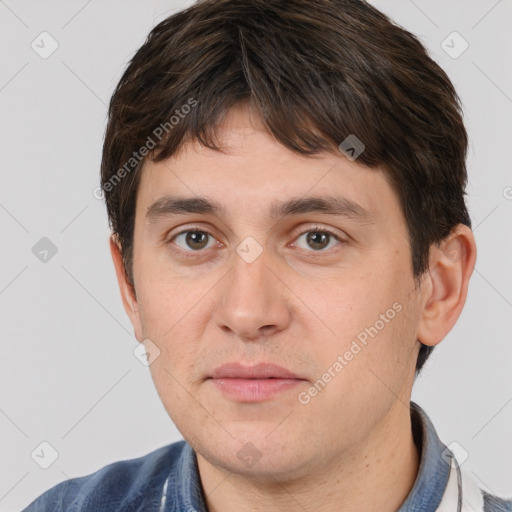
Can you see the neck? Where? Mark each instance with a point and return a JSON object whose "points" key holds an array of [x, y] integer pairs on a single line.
{"points": [[376, 476]]}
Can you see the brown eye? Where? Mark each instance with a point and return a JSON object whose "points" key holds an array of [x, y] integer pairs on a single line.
{"points": [[318, 239], [193, 239]]}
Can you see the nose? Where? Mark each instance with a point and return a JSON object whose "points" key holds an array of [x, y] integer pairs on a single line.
{"points": [[253, 302]]}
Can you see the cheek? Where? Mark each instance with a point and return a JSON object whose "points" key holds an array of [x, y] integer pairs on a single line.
{"points": [[343, 304], [167, 303], [368, 318], [370, 361], [175, 394]]}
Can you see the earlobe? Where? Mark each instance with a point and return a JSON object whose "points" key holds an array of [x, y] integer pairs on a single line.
{"points": [[126, 288], [445, 286]]}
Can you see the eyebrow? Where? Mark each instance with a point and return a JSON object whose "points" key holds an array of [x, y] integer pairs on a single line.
{"points": [[329, 205]]}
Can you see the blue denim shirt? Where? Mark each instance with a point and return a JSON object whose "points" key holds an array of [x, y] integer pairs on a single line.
{"points": [[167, 480]]}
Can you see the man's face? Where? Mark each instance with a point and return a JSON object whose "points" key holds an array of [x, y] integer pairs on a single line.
{"points": [[341, 314]]}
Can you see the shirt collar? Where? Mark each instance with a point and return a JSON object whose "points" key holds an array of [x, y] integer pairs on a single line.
{"points": [[188, 485], [433, 472], [425, 495]]}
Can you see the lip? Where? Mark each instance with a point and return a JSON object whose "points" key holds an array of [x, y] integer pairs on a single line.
{"points": [[258, 371], [254, 383]]}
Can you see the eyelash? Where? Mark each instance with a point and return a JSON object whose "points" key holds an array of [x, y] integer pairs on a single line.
{"points": [[191, 254]]}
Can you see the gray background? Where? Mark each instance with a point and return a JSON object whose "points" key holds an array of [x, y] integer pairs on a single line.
{"points": [[68, 374]]}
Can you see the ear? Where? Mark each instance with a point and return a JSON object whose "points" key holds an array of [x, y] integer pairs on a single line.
{"points": [[445, 286], [127, 290]]}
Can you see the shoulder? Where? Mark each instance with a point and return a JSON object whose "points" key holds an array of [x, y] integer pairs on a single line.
{"points": [[477, 499], [123, 485], [495, 504]]}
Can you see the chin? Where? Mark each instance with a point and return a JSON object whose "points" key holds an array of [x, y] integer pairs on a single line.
{"points": [[261, 456]]}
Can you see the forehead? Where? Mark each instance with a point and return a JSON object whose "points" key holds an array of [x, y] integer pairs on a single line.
{"points": [[256, 173]]}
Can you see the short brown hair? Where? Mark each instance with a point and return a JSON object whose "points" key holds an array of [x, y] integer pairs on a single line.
{"points": [[316, 71]]}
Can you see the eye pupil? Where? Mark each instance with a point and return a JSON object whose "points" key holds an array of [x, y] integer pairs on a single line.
{"points": [[196, 239], [317, 239]]}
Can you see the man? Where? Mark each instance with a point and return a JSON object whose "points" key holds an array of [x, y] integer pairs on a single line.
{"points": [[285, 186]]}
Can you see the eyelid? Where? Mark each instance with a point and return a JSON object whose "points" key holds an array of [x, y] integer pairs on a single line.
{"points": [[185, 229], [339, 235]]}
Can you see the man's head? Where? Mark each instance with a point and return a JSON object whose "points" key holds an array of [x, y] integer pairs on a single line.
{"points": [[317, 72], [277, 86]]}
